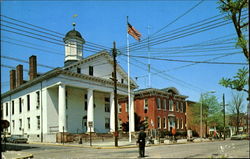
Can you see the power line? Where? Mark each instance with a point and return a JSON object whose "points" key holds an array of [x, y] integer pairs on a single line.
{"points": [[91, 44], [188, 61], [182, 15], [24, 61]]}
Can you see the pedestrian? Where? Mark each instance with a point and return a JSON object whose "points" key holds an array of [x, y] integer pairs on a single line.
{"points": [[173, 133], [141, 141]]}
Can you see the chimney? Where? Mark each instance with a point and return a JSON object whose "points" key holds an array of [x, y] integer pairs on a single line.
{"points": [[33, 67], [12, 79], [19, 74]]}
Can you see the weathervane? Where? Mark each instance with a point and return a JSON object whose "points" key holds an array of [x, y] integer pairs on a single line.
{"points": [[74, 24]]}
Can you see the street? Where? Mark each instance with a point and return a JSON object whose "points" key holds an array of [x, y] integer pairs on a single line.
{"points": [[228, 148]]}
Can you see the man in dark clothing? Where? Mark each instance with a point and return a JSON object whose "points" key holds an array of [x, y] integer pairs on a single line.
{"points": [[141, 141]]}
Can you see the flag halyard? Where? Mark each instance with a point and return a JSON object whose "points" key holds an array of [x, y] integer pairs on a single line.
{"points": [[133, 32]]}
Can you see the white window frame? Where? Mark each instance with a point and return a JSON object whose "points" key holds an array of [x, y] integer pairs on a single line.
{"points": [[165, 104], [146, 103], [171, 107], [158, 103], [159, 122]]}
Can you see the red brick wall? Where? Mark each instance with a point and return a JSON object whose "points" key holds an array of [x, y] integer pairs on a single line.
{"points": [[153, 113]]}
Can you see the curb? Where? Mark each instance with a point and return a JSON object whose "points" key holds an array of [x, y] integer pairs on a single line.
{"points": [[28, 155]]}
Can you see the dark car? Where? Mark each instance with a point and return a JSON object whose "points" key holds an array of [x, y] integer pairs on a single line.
{"points": [[17, 139]]}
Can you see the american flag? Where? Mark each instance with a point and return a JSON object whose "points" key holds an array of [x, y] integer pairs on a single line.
{"points": [[133, 32]]}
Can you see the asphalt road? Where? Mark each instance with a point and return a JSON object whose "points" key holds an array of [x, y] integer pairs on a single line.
{"points": [[228, 148]]}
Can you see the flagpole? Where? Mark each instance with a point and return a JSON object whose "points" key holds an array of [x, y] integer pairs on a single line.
{"points": [[129, 92]]}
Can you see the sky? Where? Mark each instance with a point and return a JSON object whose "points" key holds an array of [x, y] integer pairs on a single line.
{"points": [[103, 22]]}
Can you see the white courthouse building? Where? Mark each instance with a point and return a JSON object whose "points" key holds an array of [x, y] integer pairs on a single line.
{"points": [[66, 98]]}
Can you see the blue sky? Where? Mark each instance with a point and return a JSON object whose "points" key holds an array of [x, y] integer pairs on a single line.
{"points": [[103, 22]]}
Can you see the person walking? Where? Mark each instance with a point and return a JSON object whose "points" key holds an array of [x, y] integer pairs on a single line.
{"points": [[141, 141]]}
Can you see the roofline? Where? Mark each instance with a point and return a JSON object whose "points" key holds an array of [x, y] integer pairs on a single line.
{"points": [[151, 90]]}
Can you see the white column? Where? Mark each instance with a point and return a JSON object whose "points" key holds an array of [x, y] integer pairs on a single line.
{"points": [[90, 111], [132, 114], [112, 112], [44, 103], [62, 108]]}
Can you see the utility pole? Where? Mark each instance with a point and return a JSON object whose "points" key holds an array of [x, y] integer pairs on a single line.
{"points": [[224, 115], [115, 94]]}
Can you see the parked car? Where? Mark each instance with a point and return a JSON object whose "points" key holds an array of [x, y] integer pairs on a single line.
{"points": [[17, 139], [240, 137]]}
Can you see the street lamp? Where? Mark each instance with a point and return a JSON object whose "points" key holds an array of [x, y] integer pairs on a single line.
{"points": [[201, 112]]}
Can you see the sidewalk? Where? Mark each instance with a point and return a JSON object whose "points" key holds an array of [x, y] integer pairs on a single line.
{"points": [[16, 155]]}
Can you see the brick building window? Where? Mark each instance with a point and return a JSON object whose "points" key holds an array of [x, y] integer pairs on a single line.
{"points": [[6, 109], [107, 123], [107, 104], [171, 107], [181, 107], [177, 123], [164, 104], [158, 103], [164, 123], [177, 106], [181, 124], [119, 108], [159, 122], [145, 105]]}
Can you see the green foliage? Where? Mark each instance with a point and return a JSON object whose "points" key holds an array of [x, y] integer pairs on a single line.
{"points": [[211, 111], [138, 124], [238, 82]]}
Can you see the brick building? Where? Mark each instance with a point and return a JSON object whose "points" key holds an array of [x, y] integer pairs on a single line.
{"points": [[160, 108]]}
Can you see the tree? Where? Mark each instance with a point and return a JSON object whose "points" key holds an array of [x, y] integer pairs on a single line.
{"points": [[211, 112], [238, 82], [235, 107], [234, 10]]}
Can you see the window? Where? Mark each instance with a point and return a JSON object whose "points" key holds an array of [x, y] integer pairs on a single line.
{"points": [[13, 124], [86, 102], [20, 124], [38, 122], [159, 122], [13, 106], [159, 103], [6, 110], [177, 123], [107, 123], [181, 124], [181, 107], [177, 106], [120, 124], [28, 102], [171, 108], [107, 104], [119, 108], [91, 70], [145, 105], [122, 80], [28, 121], [165, 104], [78, 70], [164, 123], [20, 105], [37, 100]]}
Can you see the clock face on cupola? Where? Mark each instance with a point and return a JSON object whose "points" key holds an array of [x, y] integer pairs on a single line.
{"points": [[73, 46]]}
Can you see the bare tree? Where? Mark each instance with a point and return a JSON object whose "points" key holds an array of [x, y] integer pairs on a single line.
{"points": [[236, 107]]}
